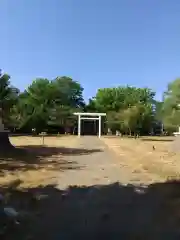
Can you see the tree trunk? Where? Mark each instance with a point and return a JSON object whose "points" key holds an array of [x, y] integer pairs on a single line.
{"points": [[74, 130], [4, 141]]}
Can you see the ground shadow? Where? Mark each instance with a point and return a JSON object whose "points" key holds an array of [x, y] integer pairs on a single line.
{"points": [[100, 212], [36, 157], [156, 139], [49, 151]]}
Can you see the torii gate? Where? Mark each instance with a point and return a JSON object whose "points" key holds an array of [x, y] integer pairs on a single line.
{"points": [[89, 116]]}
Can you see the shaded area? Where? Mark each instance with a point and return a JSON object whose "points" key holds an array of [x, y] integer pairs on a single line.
{"points": [[100, 212], [4, 141], [36, 157], [89, 127]]}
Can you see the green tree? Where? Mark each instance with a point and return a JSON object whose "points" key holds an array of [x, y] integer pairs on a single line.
{"points": [[8, 97], [126, 107], [171, 107], [91, 106], [47, 102], [68, 98], [68, 92], [115, 121], [34, 104], [109, 99]]}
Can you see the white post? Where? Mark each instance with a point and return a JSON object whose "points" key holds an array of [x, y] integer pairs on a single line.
{"points": [[99, 126], [79, 125]]}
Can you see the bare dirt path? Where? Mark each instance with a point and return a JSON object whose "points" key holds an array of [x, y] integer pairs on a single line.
{"points": [[98, 165]]}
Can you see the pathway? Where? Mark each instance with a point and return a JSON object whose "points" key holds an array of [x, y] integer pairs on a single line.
{"points": [[99, 166]]}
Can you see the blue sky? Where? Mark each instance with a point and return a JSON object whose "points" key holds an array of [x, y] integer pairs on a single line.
{"points": [[100, 43]]}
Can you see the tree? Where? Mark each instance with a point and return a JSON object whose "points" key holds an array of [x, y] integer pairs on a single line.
{"points": [[130, 117], [170, 107], [114, 121], [33, 105], [68, 92], [91, 106], [48, 103], [68, 99], [8, 96], [128, 108]]}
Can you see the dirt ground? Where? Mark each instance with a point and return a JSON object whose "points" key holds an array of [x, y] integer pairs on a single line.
{"points": [[147, 160], [34, 163], [93, 189], [151, 156]]}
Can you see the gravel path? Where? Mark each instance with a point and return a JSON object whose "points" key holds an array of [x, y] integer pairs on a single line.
{"points": [[99, 166]]}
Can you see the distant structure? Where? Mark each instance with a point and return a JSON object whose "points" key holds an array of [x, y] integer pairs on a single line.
{"points": [[89, 116], [177, 133]]}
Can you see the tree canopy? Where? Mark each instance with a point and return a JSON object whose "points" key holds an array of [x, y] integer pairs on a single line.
{"points": [[49, 104], [170, 109], [128, 109], [8, 96]]}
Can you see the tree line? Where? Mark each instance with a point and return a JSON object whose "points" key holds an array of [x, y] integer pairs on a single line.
{"points": [[48, 105]]}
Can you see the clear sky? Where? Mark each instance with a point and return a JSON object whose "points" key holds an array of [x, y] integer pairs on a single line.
{"points": [[100, 43]]}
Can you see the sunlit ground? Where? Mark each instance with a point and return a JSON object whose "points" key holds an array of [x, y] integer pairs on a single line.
{"points": [[153, 156], [41, 164], [34, 163]]}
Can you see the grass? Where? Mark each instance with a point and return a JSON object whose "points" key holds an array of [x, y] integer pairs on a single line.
{"points": [[148, 156]]}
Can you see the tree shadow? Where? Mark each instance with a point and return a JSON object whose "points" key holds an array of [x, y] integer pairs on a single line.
{"points": [[113, 211], [49, 151], [38, 156]]}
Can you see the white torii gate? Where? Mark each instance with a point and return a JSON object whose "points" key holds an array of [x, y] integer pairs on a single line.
{"points": [[89, 116]]}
